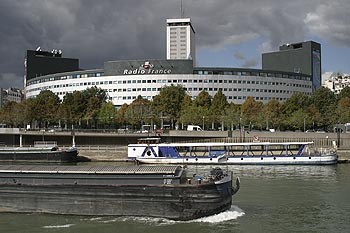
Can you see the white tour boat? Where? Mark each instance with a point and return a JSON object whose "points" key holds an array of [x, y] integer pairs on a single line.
{"points": [[150, 150]]}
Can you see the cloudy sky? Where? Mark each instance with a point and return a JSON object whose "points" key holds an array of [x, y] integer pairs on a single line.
{"points": [[229, 33]]}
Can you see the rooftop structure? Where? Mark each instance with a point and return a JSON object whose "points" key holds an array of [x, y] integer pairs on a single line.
{"points": [[302, 57], [180, 39]]}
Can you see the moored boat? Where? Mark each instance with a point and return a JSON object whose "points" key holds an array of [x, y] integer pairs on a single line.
{"points": [[255, 153], [155, 191], [40, 152]]}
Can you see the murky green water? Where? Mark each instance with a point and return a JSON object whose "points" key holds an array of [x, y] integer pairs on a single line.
{"points": [[271, 199]]}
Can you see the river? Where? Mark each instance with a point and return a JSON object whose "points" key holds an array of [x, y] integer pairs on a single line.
{"points": [[271, 199]]}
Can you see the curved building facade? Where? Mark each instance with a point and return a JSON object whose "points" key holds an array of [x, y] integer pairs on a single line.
{"points": [[124, 81], [291, 70]]}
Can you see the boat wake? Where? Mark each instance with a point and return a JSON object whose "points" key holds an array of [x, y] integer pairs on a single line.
{"points": [[233, 213], [59, 226]]}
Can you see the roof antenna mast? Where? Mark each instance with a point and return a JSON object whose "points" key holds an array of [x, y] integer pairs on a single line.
{"points": [[182, 10]]}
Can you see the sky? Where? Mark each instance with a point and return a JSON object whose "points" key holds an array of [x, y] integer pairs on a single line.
{"points": [[229, 33]]}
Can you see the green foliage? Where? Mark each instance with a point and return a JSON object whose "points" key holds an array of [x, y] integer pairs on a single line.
{"points": [[169, 101], [325, 101], [231, 116], [121, 117], [219, 103], [345, 92], [89, 108], [13, 114], [249, 110], [139, 112], [343, 110], [45, 106], [95, 92], [106, 113], [203, 99], [73, 107], [296, 102], [272, 114]]}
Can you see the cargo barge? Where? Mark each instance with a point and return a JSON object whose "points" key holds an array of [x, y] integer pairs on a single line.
{"points": [[40, 152], [154, 191]]}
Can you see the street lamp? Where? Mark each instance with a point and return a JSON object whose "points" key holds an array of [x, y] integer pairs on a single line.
{"points": [[203, 122], [240, 129]]}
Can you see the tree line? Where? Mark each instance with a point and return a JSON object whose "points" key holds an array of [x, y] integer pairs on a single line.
{"points": [[174, 107]]}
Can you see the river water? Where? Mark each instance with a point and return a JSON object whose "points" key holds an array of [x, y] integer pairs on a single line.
{"points": [[271, 199]]}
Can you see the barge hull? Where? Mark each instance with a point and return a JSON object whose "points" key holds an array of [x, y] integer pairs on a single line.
{"points": [[184, 203], [155, 191], [39, 156]]}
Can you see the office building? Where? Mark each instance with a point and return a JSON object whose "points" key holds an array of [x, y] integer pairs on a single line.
{"points": [[124, 81], [302, 58], [180, 39]]}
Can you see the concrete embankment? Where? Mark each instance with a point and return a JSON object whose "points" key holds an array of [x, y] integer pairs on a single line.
{"points": [[344, 156], [120, 154]]}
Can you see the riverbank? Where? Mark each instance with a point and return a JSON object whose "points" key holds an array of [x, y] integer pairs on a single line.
{"points": [[120, 154]]}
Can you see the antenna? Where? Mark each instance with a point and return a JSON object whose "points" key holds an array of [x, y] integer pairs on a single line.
{"points": [[182, 10]]}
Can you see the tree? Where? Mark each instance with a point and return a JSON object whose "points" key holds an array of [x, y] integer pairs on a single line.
{"points": [[296, 102], [139, 111], [325, 101], [295, 120], [121, 117], [187, 111], [250, 111], [217, 108], [345, 92], [45, 107], [232, 115], [272, 114], [312, 117], [12, 114], [95, 92], [106, 113], [92, 108], [343, 110], [73, 107], [169, 101], [203, 99]]}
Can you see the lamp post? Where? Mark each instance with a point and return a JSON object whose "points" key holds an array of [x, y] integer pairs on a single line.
{"points": [[240, 129], [203, 122]]}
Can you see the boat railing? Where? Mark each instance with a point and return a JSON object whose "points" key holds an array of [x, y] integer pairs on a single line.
{"points": [[320, 151], [45, 144], [327, 151]]}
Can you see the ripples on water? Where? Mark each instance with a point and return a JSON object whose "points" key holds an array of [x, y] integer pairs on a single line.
{"points": [[58, 226], [271, 199], [230, 215], [275, 171]]}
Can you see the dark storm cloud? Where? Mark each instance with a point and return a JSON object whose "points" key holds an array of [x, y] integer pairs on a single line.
{"points": [[98, 31]]}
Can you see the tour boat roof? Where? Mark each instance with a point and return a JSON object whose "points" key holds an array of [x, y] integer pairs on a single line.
{"points": [[211, 144]]}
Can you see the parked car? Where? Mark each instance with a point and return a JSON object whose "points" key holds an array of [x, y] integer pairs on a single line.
{"points": [[159, 131]]}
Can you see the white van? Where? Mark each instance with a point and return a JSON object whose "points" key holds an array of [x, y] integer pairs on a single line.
{"points": [[194, 128]]}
